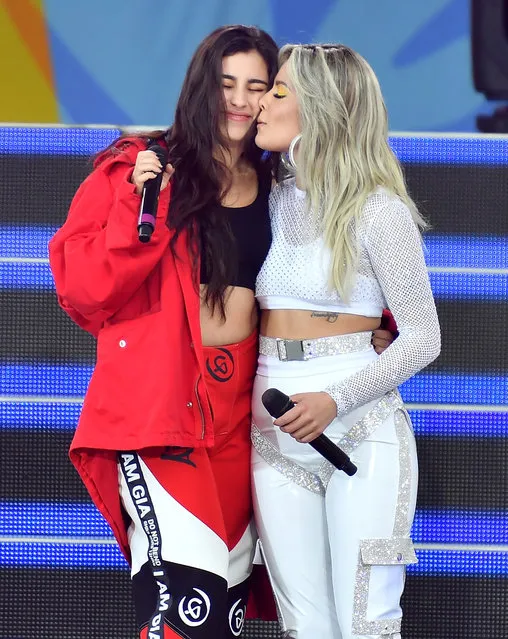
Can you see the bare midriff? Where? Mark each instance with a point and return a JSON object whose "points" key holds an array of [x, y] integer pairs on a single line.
{"points": [[241, 318], [293, 324]]}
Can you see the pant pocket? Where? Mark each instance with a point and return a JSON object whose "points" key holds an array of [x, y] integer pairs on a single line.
{"points": [[379, 584]]}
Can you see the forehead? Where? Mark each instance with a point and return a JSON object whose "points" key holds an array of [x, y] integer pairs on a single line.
{"points": [[245, 66], [282, 75]]}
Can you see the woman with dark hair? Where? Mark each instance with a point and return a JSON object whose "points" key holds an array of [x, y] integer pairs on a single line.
{"points": [[163, 441]]}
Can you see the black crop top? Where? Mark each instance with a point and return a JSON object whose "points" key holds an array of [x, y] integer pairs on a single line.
{"points": [[250, 226]]}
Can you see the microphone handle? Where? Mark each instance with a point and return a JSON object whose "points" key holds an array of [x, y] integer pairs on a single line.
{"points": [[148, 209], [337, 457], [322, 444]]}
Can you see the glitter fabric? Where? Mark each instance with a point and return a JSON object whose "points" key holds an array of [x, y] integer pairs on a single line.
{"points": [[372, 420], [318, 482], [311, 348], [397, 550], [288, 468], [390, 273]]}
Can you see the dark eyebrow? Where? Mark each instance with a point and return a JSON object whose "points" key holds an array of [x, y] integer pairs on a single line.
{"points": [[225, 76], [281, 82]]}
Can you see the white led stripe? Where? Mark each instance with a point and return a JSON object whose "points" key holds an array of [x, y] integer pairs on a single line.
{"points": [[110, 541], [24, 260]]}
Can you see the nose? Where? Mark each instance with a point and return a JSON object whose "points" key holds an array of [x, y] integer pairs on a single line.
{"points": [[262, 102], [239, 97]]}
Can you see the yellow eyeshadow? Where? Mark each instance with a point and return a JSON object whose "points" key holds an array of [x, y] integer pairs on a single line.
{"points": [[282, 90]]}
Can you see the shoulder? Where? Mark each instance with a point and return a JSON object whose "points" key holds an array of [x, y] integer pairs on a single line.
{"points": [[285, 188], [384, 206], [122, 152]]}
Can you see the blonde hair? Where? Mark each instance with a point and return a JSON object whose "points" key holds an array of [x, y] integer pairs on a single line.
{"points": [[344, 153]]}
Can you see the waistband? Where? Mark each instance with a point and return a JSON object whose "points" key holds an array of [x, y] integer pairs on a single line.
{"points": [[245, 346], [287, 350]]}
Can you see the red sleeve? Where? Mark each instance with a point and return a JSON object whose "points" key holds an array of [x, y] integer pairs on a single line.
{"points": [[96, 257], [388, 322]]}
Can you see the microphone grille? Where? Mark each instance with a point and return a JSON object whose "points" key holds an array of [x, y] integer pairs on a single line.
{"points": [[275, 401], [160, 152]]}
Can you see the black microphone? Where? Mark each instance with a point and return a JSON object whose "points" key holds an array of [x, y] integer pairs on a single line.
{"points": [[151, 189], [277, 403]]}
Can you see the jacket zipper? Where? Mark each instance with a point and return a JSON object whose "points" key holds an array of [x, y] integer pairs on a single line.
{"points": [[200, 409]]}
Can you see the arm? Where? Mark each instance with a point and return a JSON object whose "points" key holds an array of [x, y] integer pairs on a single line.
{"points": [[395, 251], [96, 257]]}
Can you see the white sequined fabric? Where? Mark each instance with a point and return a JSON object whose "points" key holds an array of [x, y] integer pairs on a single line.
{"points": [[318, 482], [397, 550], [391, 273]]}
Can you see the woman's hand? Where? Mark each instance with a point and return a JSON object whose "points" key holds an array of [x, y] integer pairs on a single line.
{"points": [[146, 168], [381, 339], [309, 418]]}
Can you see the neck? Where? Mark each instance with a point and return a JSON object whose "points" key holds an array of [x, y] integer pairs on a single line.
{"points": [[231, 157]]}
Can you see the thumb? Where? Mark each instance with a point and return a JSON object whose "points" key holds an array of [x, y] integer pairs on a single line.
{"points": [[297, 398], [169, 170]]}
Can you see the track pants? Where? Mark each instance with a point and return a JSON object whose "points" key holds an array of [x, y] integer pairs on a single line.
{"points": [[189, 515], [336, 547]]}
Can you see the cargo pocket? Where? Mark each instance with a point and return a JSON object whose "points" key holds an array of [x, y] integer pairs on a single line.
{"points": [[395, 551], [379, 585]]}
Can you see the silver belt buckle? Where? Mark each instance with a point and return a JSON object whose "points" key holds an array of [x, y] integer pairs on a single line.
{"points": [[291, 351]]}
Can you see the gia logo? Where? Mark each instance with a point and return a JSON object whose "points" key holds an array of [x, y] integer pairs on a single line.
{"points": [[237, 618], [222, 366], [194, 611]]}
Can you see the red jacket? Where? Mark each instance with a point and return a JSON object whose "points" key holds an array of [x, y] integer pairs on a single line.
{"points": [[147, 388]]}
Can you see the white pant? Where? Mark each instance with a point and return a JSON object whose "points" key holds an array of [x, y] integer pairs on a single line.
{"points": [[335, 547]]}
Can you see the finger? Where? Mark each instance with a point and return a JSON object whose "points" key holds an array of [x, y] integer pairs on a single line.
{"points": [[169, 169], [149, 165], [296, 425], [144, 177], [288, 417], [305, 434]]}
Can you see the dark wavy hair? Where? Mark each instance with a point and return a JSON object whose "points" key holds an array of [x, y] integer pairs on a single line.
{"points": [[201, 178]]}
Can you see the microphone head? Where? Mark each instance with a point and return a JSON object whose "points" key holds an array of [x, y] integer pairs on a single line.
{"points": [[276, 402], [160, 152]]}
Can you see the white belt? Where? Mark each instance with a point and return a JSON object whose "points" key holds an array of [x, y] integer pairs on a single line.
{"points": [[290, 350]]}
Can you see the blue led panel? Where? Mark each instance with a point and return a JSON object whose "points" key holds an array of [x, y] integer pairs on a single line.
{"points": [[460, 563], [39, 415], [50, 519], [55, 140], [56, 555], [444, 150], [440, 388], [25, 241], [471, 286], [451, 423], [443, 423], [465, 251], [424, 388], [461, 251], [414, 149], [448, 286], [26, 275], [460, 527], [107, 555]]}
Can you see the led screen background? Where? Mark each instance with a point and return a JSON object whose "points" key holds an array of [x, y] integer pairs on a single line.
{"points": [[60, 571]]}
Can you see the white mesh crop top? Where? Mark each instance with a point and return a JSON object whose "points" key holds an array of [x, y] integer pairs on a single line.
{"points": [[391, 274]]}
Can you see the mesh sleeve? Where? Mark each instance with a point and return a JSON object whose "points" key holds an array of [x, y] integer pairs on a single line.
{"points": [[395, 250]]}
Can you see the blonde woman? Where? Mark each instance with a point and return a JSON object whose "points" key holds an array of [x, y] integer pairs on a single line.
{"points": [[346, 244]]}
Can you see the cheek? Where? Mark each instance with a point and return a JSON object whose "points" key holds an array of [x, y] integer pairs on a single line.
{"points": [[254, 101]]}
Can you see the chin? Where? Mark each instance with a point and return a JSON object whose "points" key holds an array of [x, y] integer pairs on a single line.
{"points": [[263, 143]]}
